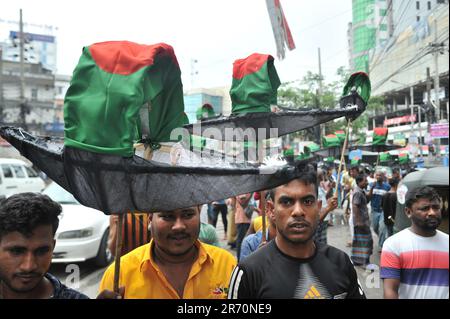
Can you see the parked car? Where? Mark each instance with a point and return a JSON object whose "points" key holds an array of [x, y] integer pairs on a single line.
{"points": [[82, 233], [16, 176]]}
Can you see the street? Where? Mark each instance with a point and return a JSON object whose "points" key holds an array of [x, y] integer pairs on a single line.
{"points": [[338, 235]]}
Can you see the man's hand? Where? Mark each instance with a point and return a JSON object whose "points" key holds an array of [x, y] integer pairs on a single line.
{"points": [[108, 294], [332, 203]]}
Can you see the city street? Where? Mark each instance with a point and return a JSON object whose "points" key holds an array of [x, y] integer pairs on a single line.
{"points": [[338, 235]]}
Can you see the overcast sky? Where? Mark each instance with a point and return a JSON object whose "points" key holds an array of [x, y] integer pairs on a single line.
{"points": [[214, 32]]}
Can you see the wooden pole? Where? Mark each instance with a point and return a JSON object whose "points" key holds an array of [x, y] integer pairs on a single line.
{"points": [[262, 204], [118, 252], [344, 147]]}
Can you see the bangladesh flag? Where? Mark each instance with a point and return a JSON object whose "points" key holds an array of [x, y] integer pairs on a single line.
{"points": [[355, 161], [313, 147], [110, 85], [361, 82], [385, 157], [205, 111], [403, 158], [330, 140], [379, 135], [340, 135], [255, 84]]}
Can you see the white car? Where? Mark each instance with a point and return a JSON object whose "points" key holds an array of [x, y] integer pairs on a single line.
{"points": [[82, 233], [16, 176]]}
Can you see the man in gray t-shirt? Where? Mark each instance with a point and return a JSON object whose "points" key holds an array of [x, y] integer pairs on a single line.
{"points": [[362, 240]]}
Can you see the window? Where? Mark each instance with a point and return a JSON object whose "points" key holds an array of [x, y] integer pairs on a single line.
{"points": [[417, 18], [18, 171], [429, 5], [7, 172], [31, 172], [34, 94], [418, 5]]}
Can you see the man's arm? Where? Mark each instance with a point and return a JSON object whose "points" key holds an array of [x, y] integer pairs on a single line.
{"points": [[390, 288], [240, 287], [113, 219], [331, 205]]}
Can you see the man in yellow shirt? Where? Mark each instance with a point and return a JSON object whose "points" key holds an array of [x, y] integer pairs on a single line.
{"points": [[175, 264]]}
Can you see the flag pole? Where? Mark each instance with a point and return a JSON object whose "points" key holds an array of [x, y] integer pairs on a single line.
{"points": [[344, 147], [118, 252]]}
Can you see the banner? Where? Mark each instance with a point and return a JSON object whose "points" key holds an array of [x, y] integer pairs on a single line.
{"points": [[439, 130], [399, 120]]}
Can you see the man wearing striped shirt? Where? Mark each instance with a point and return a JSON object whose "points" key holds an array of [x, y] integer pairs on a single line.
{"points": [[414, 262]]}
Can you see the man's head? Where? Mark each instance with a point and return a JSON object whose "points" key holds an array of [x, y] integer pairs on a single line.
{"points": [[354, 171], [393, 182], [379, 176], [423, 207], [361, 181], [396, 173], [296, 209], [175, 232], [28, 223]]}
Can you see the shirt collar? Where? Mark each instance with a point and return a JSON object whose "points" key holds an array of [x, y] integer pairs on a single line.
{"points": [[148, 261]]}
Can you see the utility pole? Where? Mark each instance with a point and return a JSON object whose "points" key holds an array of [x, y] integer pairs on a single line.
{"points": [[320, 91], [436, 75], [22, 77], [2, 105]]}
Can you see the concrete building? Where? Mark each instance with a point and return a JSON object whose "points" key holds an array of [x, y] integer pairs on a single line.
{"points": [[39, 95], [40, 43], [368, 31], [405, 74], [219, 98]]}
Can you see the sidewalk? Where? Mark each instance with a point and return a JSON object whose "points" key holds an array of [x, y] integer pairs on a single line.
{"points": [[338, 236]]}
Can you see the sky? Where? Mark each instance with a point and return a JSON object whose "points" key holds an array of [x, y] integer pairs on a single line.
{"points": [[213, 32]]}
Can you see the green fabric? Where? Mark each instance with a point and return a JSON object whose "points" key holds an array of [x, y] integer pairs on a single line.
{"points": [[340, 135], [205, 111], [385, 157], [361, 81], [255, 92], [313, 147], [329, 159], [355, 161], [288, 152], [330, 140], [379, 136], [208, 235], [403, 158], [101, 109]]}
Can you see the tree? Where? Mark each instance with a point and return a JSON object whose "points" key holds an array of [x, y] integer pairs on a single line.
{"points": [[304, 93]]}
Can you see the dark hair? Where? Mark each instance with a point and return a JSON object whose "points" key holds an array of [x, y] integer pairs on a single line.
{"points": [[26, 211], [308, 177], [427, 192], [393, 182], [352, 167], [360, 177]]}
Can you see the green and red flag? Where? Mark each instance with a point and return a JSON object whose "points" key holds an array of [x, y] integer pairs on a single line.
{"points": [[355, 161], [313, 147], [341, 135], [330, 140], [205, 111], [110, 85], [361, 82], [385, 157], [255, 84], [379, 135], [403, 158]]}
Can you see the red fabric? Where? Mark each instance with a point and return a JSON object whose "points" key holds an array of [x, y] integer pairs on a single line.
{"points": [[125, 58], [249, 65], [381, 131], [415, 259]]}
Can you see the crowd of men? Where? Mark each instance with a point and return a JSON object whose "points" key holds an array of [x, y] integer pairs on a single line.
{"points": [[292, 259]]}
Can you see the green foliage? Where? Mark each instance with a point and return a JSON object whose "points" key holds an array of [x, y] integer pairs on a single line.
{"points": [[304, 93]]}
